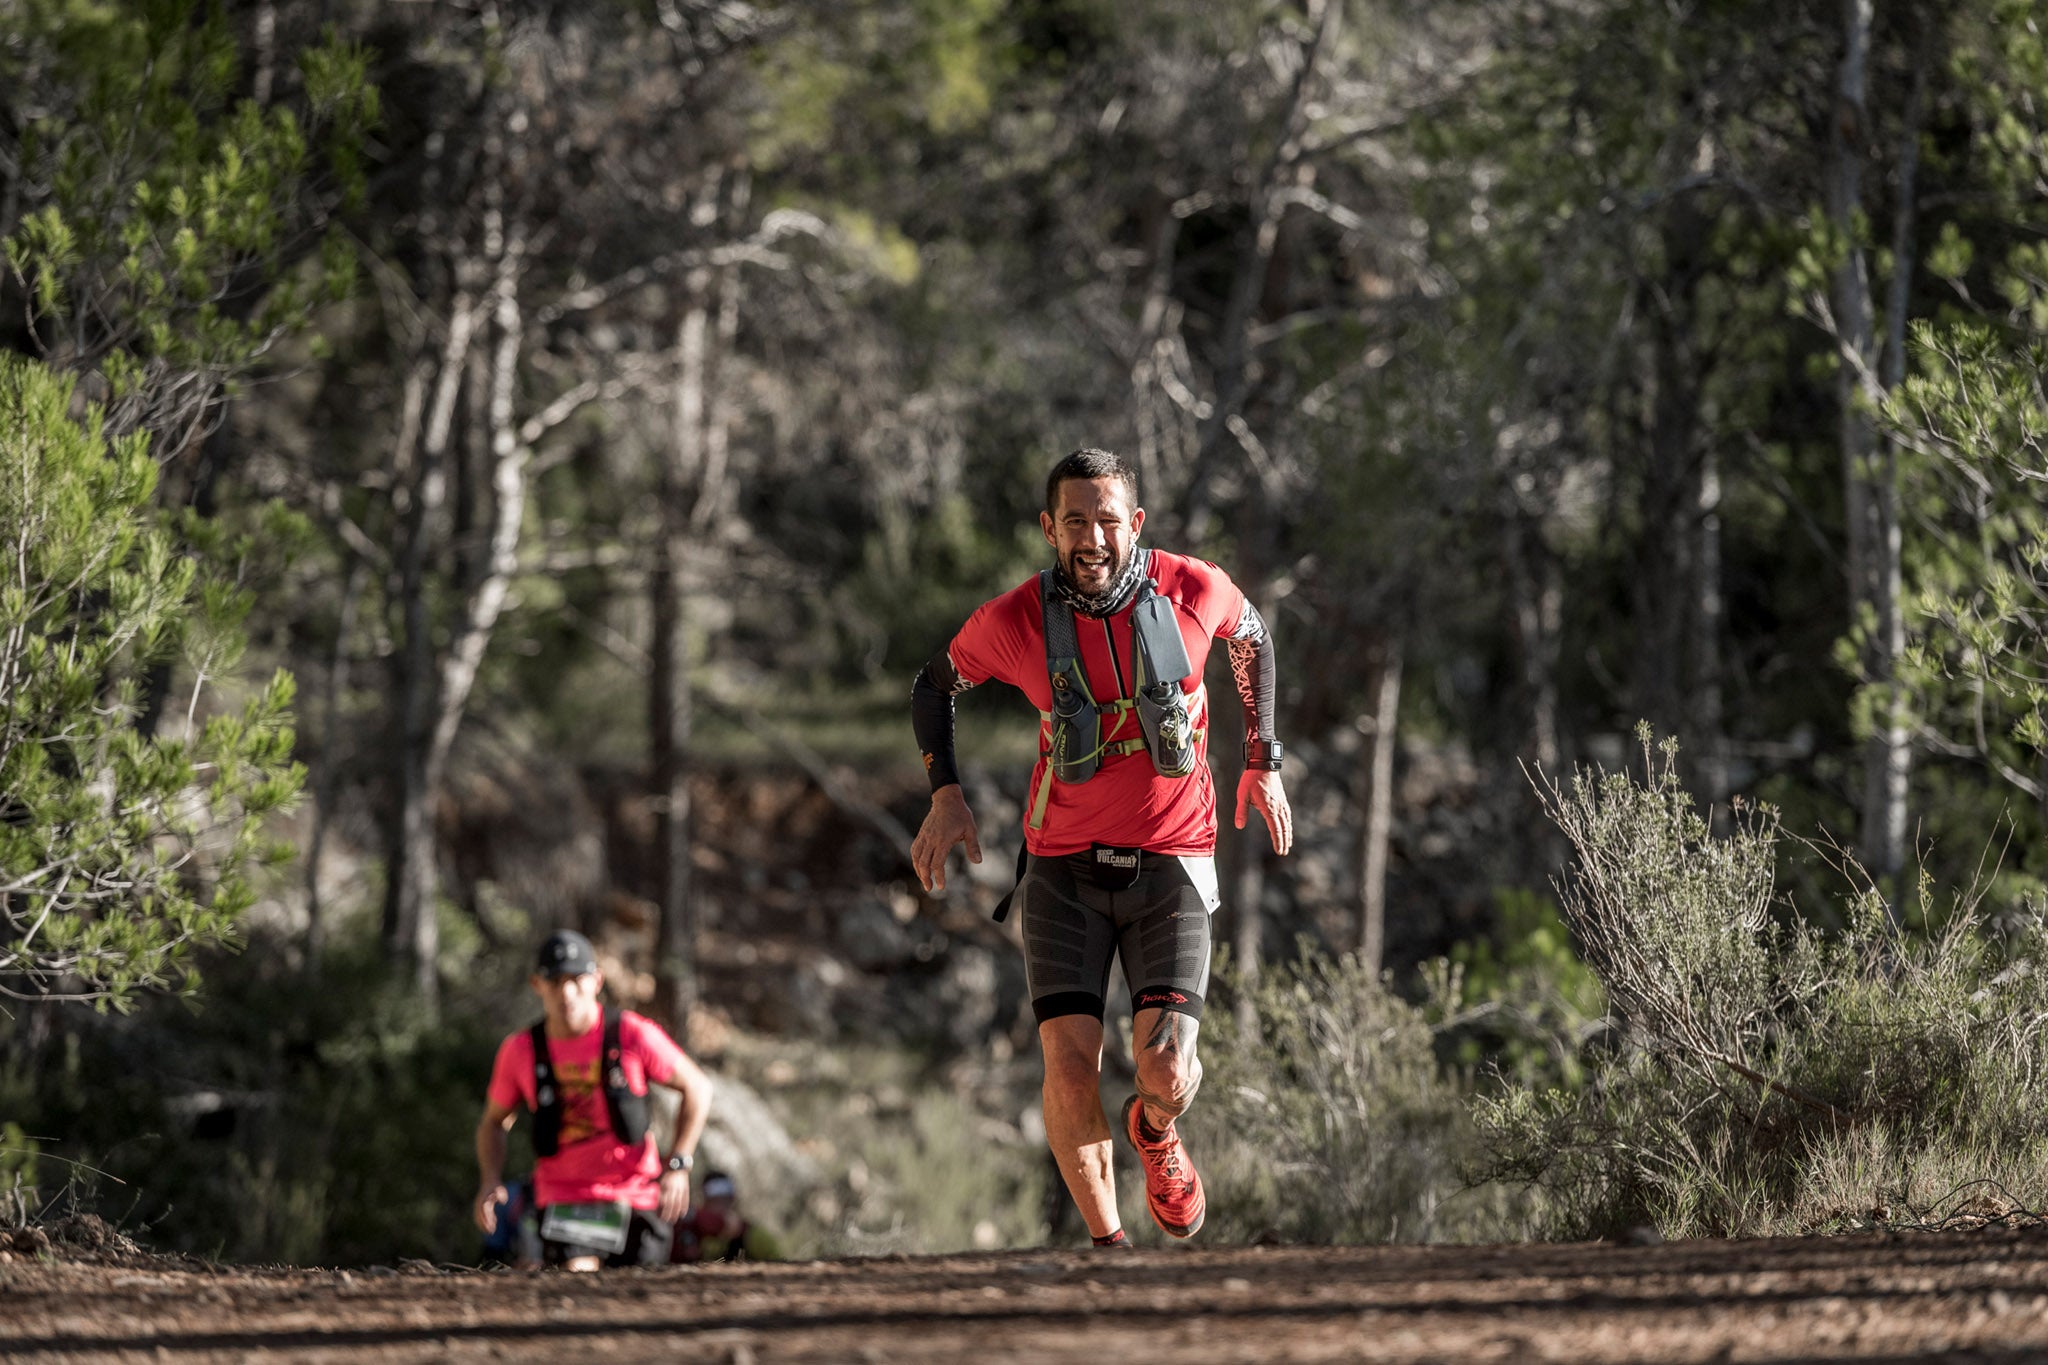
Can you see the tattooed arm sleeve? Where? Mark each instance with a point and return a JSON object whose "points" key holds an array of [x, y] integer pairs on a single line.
{"points": [[1252, 665], [931, 717]]}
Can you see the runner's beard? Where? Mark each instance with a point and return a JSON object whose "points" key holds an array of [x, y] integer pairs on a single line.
{"points": [[1122, 585]]}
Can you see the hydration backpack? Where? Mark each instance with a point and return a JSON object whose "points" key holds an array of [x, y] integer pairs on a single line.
{"points": [[1159, 663], [629, 1112]]}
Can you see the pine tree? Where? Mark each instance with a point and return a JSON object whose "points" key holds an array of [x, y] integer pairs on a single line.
{"points": [[121, 850]]}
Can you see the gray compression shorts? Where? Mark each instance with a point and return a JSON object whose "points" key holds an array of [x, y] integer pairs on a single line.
{"points": [[1081, 910]]}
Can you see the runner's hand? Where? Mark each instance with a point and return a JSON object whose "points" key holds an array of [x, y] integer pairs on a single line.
{"points": [[675, 1195], [947, 823], [1261, 788], [486, 1211]]}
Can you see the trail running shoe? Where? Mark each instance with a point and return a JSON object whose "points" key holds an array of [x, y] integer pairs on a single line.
{"points": [[1173, 1191]]}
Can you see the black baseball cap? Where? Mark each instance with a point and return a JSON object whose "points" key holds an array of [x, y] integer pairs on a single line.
{"points": [[566, 953]]}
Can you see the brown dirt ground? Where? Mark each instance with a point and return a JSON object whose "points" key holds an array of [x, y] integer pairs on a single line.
{"points": [[1954, 1296]]}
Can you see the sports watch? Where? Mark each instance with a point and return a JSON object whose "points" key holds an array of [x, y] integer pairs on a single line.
{"points": [[1264, 754], [680, 1162]]}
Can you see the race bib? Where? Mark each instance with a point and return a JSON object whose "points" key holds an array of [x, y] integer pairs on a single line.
{"points": [[600, 1226]]}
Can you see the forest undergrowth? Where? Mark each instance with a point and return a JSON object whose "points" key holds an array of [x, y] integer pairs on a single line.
{"points": [[1673, 1045], [1709, 1061], [1760, 1073]]}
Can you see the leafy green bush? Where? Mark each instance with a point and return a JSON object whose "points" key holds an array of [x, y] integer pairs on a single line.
{"points": [[283, 1118], [1762, 1076], [1333, 1121], [1521, 1003]]}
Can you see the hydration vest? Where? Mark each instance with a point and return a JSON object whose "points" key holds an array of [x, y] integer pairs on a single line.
{"points": [[628, 1111], [1159, 664]]}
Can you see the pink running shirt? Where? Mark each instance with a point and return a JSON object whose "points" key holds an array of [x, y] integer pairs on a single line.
{"points": [[590, 1165]]}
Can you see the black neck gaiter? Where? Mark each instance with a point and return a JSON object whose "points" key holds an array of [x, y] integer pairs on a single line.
{"points": [[1113, 599]]}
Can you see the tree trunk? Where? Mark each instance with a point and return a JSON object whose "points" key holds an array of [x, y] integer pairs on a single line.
{"points": [[1668, 588], [1376, 831], [437, 708], [1678, 595], [1869, 465], [713, 483], [436, 681], [668, 693], [263, 46], [1231, 380], [326, 789], [1154, 414], [490, 582], [693, 491], [410, 878], [1705, 711], [1248, 920], [1535, 591]]}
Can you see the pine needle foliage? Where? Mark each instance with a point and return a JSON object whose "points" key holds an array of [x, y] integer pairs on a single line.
{"points": [[122, 848], [171, 229]]}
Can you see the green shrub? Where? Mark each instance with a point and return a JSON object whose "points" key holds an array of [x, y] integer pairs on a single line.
{"points": [[1520, 1004], [122, 847], [1759, 1075], [287, 1118], [1333, 1120]]}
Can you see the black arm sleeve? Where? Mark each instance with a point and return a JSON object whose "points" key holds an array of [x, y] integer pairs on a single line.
{"points": [[1252, 665], [931, 717]]}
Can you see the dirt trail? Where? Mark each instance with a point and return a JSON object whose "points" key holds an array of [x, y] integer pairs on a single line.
{"points": [[1977, 1296]]}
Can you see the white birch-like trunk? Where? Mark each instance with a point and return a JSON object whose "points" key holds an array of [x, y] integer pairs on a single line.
{"points": [[1869, 465], [263, 41], [410, 880], [1376, 831], [437, 684]]}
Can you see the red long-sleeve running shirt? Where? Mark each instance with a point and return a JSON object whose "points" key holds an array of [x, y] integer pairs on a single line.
{"points": [[1127, 804]]}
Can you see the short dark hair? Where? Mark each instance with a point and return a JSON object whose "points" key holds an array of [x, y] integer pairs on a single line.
{"points": [[1089, 463]]}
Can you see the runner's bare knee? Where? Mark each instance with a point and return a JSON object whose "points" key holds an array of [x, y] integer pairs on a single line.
{"points": [[1169, 1073]]}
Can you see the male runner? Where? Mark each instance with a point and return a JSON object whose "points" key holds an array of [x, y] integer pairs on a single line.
{"points": [[1120, 827], [604, 1193]]}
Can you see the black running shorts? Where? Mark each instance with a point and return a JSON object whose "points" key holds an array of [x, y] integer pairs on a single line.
{"points": [[1082, 910]]}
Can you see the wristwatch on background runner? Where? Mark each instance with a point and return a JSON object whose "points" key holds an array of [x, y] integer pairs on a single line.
{"points": [[681, 1162], [1263, 754]]}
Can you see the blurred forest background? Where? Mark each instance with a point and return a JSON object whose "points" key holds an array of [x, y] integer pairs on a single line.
{"points": [[473, 466]]}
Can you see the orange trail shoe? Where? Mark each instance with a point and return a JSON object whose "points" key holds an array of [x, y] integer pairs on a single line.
{"points": [[1173, 1192]]}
